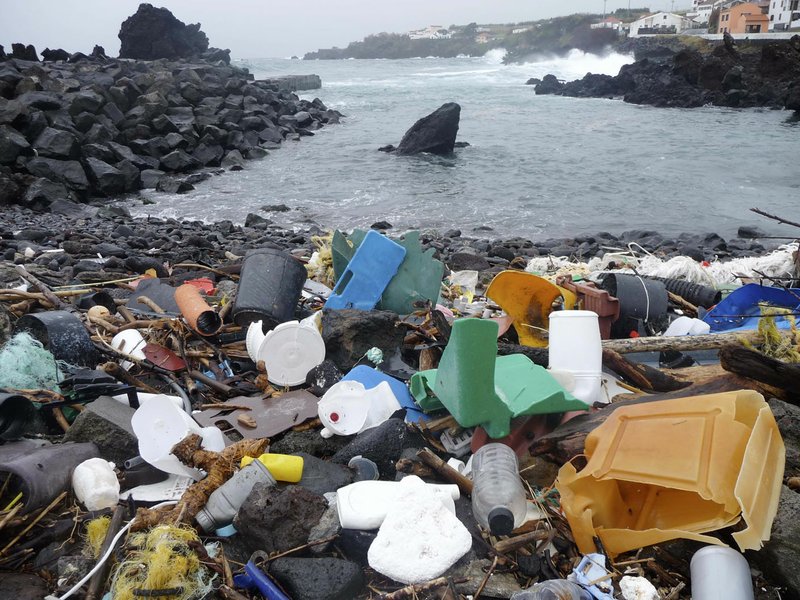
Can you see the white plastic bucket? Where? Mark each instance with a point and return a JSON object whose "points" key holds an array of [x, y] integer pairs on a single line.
{"points": [[576, 347]]}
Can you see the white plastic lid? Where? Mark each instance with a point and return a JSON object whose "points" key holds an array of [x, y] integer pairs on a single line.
{"points": [[290, 351]]}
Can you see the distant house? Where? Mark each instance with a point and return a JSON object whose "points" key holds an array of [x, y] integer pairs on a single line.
{"points": [[660, 24], [784, 15], [701, 11], [483, 38], [520, 30], [431, 32], [608, 23], [747, 17]]}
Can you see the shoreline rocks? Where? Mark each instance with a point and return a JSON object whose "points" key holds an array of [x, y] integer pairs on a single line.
{"points": [[100, 127], [733, 75]]}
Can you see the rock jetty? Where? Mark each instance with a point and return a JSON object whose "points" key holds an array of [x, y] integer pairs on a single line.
{"points": [[740, 75]]}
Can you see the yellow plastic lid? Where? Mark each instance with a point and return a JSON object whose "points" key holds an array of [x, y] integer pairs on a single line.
{"points": [[284, 467]]}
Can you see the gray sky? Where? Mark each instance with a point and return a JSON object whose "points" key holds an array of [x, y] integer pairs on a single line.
{"points": [[263, 28]]}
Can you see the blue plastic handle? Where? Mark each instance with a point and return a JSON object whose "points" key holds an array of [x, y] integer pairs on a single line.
{"points": [[253, 577]]}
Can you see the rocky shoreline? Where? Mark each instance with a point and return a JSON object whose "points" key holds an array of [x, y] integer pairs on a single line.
{"points": [[79, 243], [94, 127], [731, 74]]}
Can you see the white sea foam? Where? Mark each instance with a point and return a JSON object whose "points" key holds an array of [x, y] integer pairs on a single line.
{"points": [[577, 63]]}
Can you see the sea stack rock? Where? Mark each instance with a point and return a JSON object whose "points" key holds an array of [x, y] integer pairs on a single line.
{"points": [[435, 133], [153, 33]]}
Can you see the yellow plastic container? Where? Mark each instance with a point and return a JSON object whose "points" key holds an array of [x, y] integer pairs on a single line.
{"points": [[528, 299], [284, 467], [677, 469]]}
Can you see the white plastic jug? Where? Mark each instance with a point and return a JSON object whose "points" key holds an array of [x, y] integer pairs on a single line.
{"points": [[348, 407], [95, 484], [159, 425], [576, 348], [364, 504]]}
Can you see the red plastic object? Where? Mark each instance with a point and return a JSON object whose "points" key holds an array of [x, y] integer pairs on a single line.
{"points": [[204, 284], [524, 430], [590, 297]]}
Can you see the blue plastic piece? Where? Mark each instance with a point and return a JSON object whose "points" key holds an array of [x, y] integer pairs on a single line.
{"points": [[741, 309], [368, 274], [255, 578], [226, 531], [370, 378]]}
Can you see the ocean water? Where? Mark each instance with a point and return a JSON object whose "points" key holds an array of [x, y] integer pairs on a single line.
{"points": [[537, 166]]}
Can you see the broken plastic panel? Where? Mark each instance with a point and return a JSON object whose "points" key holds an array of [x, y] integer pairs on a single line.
{"points": [[479, 388], [528, 299], [741, 309], [368, 274], [677, 469], [419, 278], [371, 378]]}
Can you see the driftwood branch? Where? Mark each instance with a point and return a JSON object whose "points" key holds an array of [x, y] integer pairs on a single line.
{"points": [[755, 365], [758, 211], [684, 343], [642, 376], [445, 470]]}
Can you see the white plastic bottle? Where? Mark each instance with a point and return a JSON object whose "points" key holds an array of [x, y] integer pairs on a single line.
{"points": [[498, 498]]}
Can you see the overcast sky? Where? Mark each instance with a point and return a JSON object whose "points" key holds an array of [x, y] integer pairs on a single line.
{"points": [[264, 28]]}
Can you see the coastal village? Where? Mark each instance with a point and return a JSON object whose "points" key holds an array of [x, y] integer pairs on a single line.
{"points": [[709, 19]]}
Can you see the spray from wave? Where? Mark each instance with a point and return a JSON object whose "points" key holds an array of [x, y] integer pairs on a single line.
{"points": [[577, 63]]}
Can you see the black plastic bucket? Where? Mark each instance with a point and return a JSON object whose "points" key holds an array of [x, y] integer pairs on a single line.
{"points": [[44, 473], [63, 334], [270, 285], [694, 293], [16, 415], [640, 300], [100, 298]]}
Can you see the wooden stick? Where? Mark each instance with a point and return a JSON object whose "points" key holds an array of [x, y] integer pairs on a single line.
{"points": [[689, 308], [774, 217], [116, 371], [486, 579], [682, 343], [60, 418], [150, 304], [215, 385], [411, 591], [46, 291], [229, 593], [445, 470], [642, 376], [12, 513], [224, 406], [98, 580], [41, 515], [304, 547], [512, 543]]}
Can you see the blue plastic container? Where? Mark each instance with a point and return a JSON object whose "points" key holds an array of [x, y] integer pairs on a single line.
{"points": [[368, 273], [741, 309]]}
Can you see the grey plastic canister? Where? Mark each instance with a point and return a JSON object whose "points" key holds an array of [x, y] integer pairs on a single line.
{"points": [[720, 573], [270, 285]]}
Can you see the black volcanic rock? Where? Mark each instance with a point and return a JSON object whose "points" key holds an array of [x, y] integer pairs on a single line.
{"points": [[54, 55], [153, 33], [435, 133]]}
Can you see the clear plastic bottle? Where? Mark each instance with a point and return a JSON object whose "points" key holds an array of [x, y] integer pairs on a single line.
{"points": [[555, 589], [225, 501], [498, 498]]}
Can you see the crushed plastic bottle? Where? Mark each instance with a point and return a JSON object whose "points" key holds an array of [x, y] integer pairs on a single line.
{"points": [[498, 498]]}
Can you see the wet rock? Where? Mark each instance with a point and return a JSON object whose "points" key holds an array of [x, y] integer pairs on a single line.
{"points": [[275, 520], [68, 172], [178, 161], [153, 33], [318, 578], [435, 133], [780, 556], [54, 143], [320, 379], [107, 423], [23, 52], [23, 586], [499, 585], [12, 145], [549, 85], [150, 178], [348, 334], [463, 261], [382, 444], [107, 180], [309, 442], [327, 527], [750, 232]]}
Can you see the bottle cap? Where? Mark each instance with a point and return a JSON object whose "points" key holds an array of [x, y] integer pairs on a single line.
{"points": [[501, 521], [290, 351], [206, 521]]}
